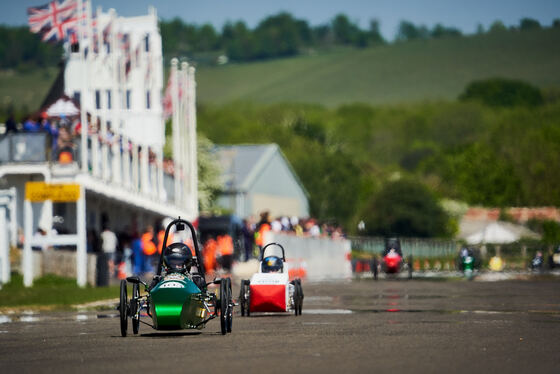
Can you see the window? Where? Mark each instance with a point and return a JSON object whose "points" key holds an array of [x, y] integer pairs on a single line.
{"points": [[148, 99], [97, 99], [147, 43], [77, 96], [108, 99], [128, 98]]}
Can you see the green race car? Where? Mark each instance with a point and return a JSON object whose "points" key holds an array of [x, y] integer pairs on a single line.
{"points": [[178, 296]]}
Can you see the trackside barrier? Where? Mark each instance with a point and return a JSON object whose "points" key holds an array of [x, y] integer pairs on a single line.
{"points": [[420, 248], [315, 259]]}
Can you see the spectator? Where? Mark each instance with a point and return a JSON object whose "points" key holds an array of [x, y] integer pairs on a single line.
{"points": [[11, 125], [225, 249], [30, 125], [109, 244], [148, 248], [248, 239], [262, 227]]}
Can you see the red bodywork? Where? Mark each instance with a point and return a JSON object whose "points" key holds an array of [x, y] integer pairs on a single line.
{"points": [[392, 262], [268, 298]]}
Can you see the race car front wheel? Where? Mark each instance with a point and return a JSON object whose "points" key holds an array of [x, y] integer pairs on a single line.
{"points": [[123, 308], [134, 306]]}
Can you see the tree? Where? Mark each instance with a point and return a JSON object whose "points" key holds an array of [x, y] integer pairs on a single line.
{"points": [[497, 26], [408, 31], [501, 92], [529, 24], [440, 31], [405, 208]]}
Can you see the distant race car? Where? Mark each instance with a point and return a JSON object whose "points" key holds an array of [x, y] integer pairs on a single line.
{"points": [[178, 296], [270, 290], [392, 261]]}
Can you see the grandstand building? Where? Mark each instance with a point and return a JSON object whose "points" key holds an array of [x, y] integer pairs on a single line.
{"points": [[105, 166]]}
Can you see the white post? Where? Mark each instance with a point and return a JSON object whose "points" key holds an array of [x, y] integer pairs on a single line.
{"points": [[144, 179], [81, 255], [183, 136], [176, 141], [83, 116], [13, 217], [95, 154], [126, 162], [193, 160], [4, 247], [135, 167], [27, 261], [104, 151], [159, 168], [116, 150]]}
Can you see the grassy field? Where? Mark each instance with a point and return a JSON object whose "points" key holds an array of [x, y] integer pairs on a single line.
{"points": [[404, 72], [25, 89], [52, 292]]}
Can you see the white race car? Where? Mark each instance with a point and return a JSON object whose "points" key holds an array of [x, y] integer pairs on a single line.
{"points": [[270, 290]]}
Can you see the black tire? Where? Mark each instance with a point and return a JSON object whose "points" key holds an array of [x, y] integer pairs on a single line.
{"points": [[374, 268], [134, 306], [296, 297], [242, 298], [229, 314], [223, 306], [410, 267], [300, 303], [123, 308], [248, 297]]}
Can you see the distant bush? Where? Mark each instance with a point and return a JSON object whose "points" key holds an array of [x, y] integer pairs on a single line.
{"points": [[500, 92], [406, 208]]}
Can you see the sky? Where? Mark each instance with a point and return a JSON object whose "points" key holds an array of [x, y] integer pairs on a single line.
{"points": [[463, 14]]}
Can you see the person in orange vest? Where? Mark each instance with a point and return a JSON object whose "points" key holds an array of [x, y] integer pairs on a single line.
{"points": [[148, 248], [225, 249], [209, 254], [262, 227]]}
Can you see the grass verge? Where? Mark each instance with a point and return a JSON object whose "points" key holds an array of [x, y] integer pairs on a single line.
{"points": [[51, 292]]}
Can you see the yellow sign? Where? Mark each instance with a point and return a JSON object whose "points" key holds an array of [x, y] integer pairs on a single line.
{"points": [[60, 193]]}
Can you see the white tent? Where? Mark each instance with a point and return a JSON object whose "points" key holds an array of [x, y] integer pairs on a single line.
{"points": [[499, 233], [63, 107]]}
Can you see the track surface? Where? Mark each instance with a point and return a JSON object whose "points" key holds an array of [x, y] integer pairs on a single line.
{"points": [[360, 326]]}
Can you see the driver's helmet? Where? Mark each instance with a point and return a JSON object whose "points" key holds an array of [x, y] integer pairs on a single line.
{"points": [[272, 264], [177, 257]]}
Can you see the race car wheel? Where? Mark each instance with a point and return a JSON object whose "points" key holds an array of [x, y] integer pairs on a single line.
{"points": [[300, 304], [123, 307], [242, 297], [223, 306], [229, 314], [134, 306], [374, 267]]}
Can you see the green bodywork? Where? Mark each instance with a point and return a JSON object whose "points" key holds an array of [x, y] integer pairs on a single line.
{"points": [[177, 303]]}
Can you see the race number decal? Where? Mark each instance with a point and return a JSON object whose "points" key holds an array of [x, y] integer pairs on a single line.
{"points": [[172, 285]]}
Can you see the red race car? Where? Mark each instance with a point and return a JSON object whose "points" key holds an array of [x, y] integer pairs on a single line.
{"points": [[392, 261], [270, 290]]}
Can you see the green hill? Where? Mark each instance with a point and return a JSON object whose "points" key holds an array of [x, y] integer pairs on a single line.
{"points": [[404, 72]]}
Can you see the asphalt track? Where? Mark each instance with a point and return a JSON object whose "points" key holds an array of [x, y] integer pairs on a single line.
{"points": [[388, 326]]}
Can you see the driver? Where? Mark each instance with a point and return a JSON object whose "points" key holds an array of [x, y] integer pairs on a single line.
{"points": [[177, 258], [272, 264]]}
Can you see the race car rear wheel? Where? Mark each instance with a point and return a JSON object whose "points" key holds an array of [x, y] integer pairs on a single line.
{"points": [[229, 314], [223, 305], [242, 297], [300, 304], [134, 306], [123, 308]]}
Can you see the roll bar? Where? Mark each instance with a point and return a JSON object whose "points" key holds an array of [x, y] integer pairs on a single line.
{"points": [[179, 223], [269, 244]]}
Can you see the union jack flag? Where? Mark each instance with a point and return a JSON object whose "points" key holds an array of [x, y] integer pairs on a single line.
{"points": [[54, 20]]}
